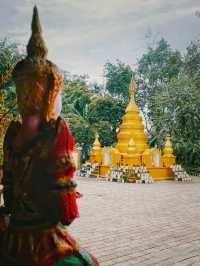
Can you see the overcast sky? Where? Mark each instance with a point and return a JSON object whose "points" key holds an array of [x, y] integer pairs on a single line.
{"points": [[81, 35]]}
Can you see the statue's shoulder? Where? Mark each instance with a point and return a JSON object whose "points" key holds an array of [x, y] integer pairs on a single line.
{"points": [[62, 126], [60, 123], [65, 133]]}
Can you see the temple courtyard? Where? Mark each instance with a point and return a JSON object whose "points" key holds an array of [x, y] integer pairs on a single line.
{"points": [[140, 224]]}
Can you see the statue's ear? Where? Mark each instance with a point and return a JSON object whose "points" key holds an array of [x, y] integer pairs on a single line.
{"points": [[54, 85]]}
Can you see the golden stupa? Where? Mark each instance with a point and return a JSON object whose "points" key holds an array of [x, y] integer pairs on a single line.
{"points": [[132, 149], [96, 149], [132, 126]]}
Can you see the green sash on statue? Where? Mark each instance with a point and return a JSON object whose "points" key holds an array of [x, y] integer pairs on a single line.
{"points": [[80, 259]]}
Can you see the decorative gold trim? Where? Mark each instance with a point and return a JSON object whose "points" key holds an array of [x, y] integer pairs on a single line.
{"points": [[38, 251]]}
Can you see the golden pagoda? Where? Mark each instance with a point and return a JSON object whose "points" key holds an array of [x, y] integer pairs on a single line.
{"points": [[132, 126], [132, 149]]}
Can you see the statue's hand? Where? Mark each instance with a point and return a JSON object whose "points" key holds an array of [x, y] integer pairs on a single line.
{"points": [[79, 195]]}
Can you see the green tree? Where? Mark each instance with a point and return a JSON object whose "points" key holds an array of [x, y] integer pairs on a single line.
{"points": [[176, 109], [106, 112], [169, 96], [159, 65], [83, 133], [106, 133], [88, 113], [97, 89], [76, 98], [156, 67], [105, 109], [9, 56], [118, 77], [192, 61]]}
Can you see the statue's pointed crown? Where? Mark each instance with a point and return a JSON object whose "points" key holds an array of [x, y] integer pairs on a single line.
{"points": [[36, 46], [37, 80]]}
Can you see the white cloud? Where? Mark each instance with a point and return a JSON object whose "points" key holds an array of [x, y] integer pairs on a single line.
{"points": [[82, 34]]}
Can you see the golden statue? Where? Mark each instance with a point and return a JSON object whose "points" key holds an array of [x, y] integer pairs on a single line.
{"points": [[38, 169]]}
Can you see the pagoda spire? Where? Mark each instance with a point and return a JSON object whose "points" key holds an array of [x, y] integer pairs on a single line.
{"points": [[132, 89], [96, 142], [36, 46]]}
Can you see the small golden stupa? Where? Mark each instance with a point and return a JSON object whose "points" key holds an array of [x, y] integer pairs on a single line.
{"points": [[132, 149], [168, 155], [96, 149]]}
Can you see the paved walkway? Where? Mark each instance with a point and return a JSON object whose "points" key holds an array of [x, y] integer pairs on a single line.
{"points": [[140, 224]]}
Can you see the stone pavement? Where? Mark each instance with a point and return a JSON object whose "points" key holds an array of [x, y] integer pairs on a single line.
{"points": [[140, 224]]}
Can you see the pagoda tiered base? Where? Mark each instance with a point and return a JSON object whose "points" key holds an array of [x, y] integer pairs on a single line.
{"points": [[161, 173], [158, 173]]}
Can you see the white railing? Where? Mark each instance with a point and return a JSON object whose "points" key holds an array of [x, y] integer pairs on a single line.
{"points": [[142, 174], [180, 173]]}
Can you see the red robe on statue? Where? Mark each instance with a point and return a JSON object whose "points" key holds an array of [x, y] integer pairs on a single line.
{"points": [[40, 197]]}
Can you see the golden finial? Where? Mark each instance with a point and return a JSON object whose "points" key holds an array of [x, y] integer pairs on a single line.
{"points": [[36, 45], [96, 142], [96, 135], [132, 88]]}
